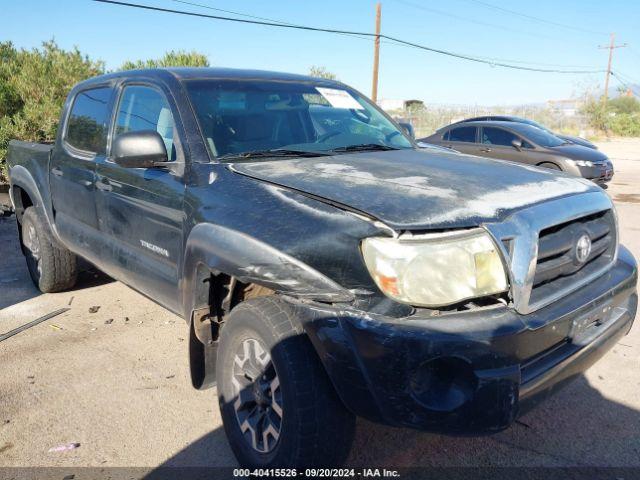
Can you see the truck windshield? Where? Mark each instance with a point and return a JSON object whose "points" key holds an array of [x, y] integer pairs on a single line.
{"points": [[249, 118]]}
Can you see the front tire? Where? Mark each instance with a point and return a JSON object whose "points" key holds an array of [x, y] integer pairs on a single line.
{"points": [[52, 268], [278, 406]]}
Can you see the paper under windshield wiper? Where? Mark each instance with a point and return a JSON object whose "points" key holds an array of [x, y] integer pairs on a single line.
{"points": [[275, 152], [365, 147]]}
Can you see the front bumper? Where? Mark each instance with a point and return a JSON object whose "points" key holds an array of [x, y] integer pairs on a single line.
{"points": [[600, 173], [470, 372]]}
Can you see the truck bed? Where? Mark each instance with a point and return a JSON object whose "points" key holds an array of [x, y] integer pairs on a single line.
{"points": [[21, 153], [33, 158]]}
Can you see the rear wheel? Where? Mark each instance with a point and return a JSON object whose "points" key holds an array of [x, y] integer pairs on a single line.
{"points": [[278, 406], [52, 268]]}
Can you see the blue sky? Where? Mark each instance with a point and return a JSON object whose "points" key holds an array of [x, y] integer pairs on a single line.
{"points": [[115, 34]]}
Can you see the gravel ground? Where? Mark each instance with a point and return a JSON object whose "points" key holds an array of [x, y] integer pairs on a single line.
{"points": [[116, 381]]}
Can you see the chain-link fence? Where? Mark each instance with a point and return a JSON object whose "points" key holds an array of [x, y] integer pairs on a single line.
{"points": [[428, 119]]}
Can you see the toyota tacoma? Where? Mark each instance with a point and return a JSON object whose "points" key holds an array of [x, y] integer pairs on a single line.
{"points": [[326, 267]]}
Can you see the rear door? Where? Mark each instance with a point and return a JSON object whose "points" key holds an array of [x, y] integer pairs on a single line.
{"points": [[140, 209], [81, 144], [462, 138]]}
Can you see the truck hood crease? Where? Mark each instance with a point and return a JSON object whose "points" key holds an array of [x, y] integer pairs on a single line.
{"points": [[412, 189]]}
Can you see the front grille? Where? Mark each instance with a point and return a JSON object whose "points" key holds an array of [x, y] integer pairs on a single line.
{"points": [[557, 268]]}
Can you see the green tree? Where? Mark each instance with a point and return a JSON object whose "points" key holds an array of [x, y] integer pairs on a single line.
{"points": [[9, 98], [322, 72], [174, 58], [624, 104], [33, 87], [621, 116], [595, 112]]}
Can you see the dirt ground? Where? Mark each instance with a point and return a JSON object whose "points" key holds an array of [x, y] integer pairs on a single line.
{"points": [[116, 381]]}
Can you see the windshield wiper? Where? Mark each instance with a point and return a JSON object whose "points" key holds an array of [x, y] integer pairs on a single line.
{"points": [[365, 147], [272, 152]]}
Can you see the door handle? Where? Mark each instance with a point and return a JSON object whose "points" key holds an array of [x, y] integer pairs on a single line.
{"points": [[56, 171], [104, 185], [86, 183], [485, 149]]}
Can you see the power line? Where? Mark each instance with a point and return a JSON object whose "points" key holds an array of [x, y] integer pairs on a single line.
{"points": [[348, 32], [619, 78], [209, 7], [534, 18], [633, 51], [493, 59], [626, 77], [470, 20], [242, 14]]}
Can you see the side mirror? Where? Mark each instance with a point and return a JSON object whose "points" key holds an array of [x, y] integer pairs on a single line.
{"points": [[142, 149], [517, 144], [408, 129]]}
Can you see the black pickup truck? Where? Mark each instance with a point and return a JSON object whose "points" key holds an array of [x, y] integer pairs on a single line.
{"points": [[325, 266]]}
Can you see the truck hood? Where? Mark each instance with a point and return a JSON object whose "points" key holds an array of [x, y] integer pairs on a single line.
{"points": [[414, 190]]}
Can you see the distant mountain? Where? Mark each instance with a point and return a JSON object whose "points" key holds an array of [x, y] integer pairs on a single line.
{"points": [[634, 87]]}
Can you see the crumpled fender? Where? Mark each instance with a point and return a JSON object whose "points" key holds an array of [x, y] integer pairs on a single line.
{"points": [[224, 250]]}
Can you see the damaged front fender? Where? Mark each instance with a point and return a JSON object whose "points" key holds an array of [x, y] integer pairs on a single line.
{"points": [[248, 260]]}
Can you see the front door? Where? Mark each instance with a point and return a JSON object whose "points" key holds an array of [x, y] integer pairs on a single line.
{"points": [[72, 169], [497, 143], [140, 209]]}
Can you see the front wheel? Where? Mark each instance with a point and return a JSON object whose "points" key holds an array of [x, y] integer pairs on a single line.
{"points": [[278, 406]]}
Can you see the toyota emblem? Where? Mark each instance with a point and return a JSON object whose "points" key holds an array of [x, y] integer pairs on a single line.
{"points": [[583, 248]]}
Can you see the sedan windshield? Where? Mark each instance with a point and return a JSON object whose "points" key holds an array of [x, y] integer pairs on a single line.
{"points": [[539, 136], [257, 118]]}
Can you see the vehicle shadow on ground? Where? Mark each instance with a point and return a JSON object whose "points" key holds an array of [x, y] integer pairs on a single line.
{"points": [[15, 283], [577, 427]]}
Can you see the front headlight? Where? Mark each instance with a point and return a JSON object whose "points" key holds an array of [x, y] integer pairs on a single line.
{"points": [[436, 270], [582, 163]]}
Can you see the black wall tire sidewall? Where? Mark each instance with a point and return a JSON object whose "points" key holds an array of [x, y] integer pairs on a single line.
{"points": [[308, 398], [58, 266]]}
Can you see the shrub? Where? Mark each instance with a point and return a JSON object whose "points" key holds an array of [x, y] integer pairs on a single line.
{"points": [[33, 87], [173, 58], [621, 116], [625, 124]]}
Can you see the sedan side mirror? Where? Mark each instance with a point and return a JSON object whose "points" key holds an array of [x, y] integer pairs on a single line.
{"points": [[517, 144], [408, 129], [142, 149]]}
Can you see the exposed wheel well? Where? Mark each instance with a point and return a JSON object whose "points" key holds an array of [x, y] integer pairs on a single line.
{"points": [[215, 297], [220, 293], [22, 201], [550, 165]]}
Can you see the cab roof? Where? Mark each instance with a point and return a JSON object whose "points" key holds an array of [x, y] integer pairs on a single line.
{"points": [[202, 73]]}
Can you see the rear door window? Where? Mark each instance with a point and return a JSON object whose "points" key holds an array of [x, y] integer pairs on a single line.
{"points": [[145, 108], [461, 134], [88, 120]]}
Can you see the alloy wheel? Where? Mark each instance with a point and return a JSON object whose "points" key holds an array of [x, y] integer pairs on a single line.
{"points": [[258, 404], [32, 244]]}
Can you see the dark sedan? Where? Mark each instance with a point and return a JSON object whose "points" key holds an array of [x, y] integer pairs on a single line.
{"points": [[520, 142], [511, 118]]}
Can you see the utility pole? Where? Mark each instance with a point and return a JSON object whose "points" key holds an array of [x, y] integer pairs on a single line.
{"points": [[610, 47], [376, 55]]}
